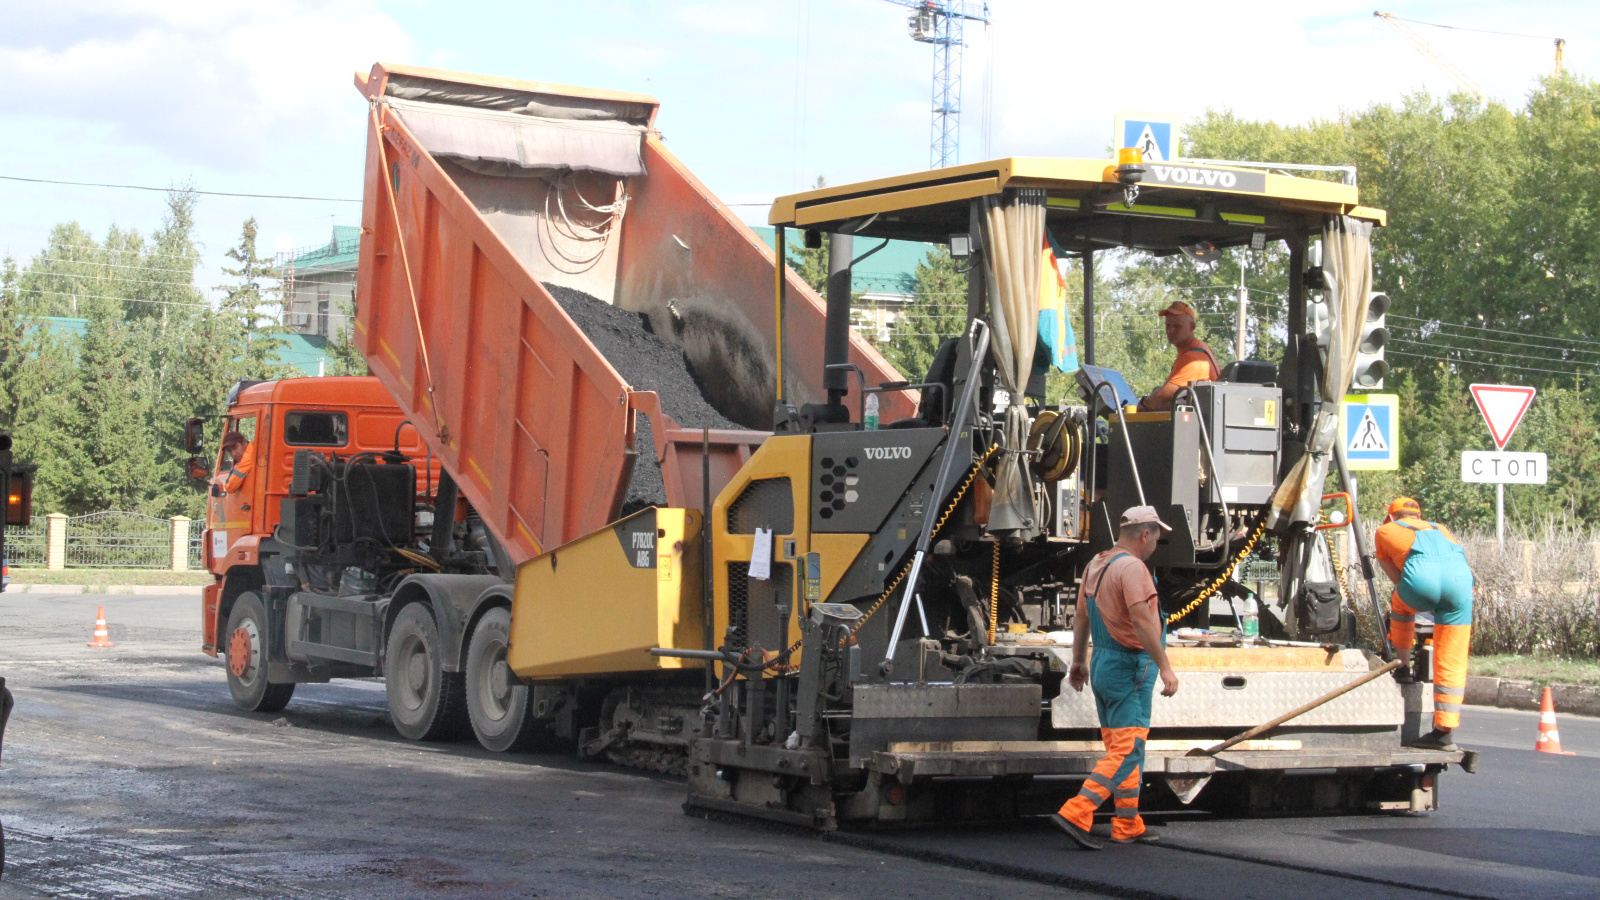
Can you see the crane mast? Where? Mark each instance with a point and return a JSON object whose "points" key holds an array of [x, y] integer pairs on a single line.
{"points": [[942, 23]]}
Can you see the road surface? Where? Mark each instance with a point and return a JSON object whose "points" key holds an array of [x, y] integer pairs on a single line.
{"points": [[128, 773]]}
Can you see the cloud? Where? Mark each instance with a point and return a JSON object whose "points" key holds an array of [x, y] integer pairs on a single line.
{"points": [[217, 84]]}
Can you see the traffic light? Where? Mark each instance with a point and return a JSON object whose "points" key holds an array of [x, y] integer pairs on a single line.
{"points": [[1370, 364], [16, 485]]}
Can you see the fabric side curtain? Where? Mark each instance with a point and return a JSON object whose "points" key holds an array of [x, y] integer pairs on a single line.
{"points": [[1347, 264], [1013, 233]]}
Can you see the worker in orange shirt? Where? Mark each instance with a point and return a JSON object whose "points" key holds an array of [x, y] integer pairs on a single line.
{"points": [[240, 451], [1195, 360], [1119, 614], [1429, 569]]}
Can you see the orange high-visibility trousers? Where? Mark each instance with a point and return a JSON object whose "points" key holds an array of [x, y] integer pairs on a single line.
{"points": [[1116, 777], [1451, 644]]}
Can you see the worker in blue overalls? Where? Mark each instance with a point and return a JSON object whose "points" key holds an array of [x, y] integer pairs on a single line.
{"points": [[1117, 604]]}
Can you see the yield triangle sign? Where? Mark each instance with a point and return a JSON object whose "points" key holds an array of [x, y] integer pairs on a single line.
{"points": [[1502, 406]]}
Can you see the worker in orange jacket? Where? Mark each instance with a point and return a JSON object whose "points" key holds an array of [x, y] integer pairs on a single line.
{"points": [[240, 451], [1195, 361], [1430, 573]]}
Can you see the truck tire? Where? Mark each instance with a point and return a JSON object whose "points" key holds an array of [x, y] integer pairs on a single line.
{"points": [[426, 703], [247, 658], [497, 703]]}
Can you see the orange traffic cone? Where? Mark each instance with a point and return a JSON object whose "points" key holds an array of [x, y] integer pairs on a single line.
{"points": [[1549, 736], [102, 638]]}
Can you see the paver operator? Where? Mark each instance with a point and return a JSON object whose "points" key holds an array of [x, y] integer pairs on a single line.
{"points": [[1195, 360], [241, 452], [1117, 605], [1430, 574]]}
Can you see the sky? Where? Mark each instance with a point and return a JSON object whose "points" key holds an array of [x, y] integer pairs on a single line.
{"points": [[758, 98]]}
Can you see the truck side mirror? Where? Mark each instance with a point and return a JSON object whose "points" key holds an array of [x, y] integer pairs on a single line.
{"points": [[194, 435], [196, 469]]}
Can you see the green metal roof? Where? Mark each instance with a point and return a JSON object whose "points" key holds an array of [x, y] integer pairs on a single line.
{"points": [[305, 352], [59, 325], [892, 270], [339, 254]]}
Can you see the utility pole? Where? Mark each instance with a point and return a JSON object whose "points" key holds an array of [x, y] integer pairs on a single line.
{"points": [[1239, 319]]}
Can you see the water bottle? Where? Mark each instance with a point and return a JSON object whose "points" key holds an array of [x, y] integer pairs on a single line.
{"points": [[870, 413], [1251, 619]]}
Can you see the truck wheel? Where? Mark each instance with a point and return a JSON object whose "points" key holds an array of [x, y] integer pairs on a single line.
{"points": [[426, 703], [497, 703], [247, 658]]}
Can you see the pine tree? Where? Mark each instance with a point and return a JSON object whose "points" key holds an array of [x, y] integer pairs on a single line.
{"points": [[937, 312]]}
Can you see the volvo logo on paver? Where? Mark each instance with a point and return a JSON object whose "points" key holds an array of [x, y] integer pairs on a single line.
{"points": [[1202, 177], [888, 452]]}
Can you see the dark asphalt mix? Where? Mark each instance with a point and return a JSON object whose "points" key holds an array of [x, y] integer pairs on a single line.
{"points": [[128, 773]]}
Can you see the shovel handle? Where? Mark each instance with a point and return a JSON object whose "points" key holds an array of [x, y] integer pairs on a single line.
{"points": [[1265, 727]]}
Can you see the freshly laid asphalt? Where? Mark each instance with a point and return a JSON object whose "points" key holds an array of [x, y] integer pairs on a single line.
{"points": [[128, 773]]}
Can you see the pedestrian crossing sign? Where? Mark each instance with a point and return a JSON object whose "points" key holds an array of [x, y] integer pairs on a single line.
{"points": [[1369, 425], [1155, 134]]}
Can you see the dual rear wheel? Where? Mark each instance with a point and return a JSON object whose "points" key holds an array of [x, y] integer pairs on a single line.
{"points": [[427, 703]]}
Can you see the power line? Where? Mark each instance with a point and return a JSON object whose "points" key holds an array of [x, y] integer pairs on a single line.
{"points": [[1537, 37], [35, 268], [1493, 330], [1505, 366], [169, 190]]}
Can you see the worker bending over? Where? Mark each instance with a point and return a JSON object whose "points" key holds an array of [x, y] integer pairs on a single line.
{"points": [[1195, 361], [240, 453], [1430, 574], [1117, 605]]}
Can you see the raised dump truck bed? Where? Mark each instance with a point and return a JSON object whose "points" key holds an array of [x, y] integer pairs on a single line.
{"points": [[482, 191]]}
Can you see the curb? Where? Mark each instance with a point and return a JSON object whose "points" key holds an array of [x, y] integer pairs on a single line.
{"points": [[137, 589], [1506, 693]]}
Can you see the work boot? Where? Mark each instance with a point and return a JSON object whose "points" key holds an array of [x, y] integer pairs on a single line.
{"points": [[1437, 739], [1083, 838], [1143, 837]]}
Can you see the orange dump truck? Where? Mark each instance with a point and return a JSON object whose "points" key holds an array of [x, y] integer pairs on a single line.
{"points": [[576, 332]]}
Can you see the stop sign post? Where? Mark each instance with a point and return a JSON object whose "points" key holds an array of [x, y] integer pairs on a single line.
{"points": [[1502, 406]]}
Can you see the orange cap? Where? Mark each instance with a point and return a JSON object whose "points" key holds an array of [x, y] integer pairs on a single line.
{"points": [[1178, 308], [1402, 507]]}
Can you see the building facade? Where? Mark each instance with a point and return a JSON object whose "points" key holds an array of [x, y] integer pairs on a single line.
{"points": [[319, 285]]}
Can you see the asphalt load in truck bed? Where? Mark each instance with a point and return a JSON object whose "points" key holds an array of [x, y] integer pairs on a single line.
{"points": [[647, 362]]}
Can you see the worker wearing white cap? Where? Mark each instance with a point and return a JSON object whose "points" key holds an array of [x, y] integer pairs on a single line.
{"points": [[1117, 606]]}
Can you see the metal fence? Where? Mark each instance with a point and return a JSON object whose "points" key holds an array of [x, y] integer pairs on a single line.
{"points": [[119, 540], [25, 543], [197, 545]]}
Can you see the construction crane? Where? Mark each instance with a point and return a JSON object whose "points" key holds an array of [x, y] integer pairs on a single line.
{"points": [[942, 23], [1461, 78]]}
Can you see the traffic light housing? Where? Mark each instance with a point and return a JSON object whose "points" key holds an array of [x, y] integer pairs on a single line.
{"points": [[16, 485], [1374, 342]]}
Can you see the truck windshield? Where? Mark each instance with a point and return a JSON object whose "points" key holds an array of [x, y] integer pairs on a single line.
{"points": [[315, 429]]}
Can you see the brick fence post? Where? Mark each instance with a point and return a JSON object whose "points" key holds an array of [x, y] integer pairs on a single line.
{"points": [[180, 543], [55, 541]]}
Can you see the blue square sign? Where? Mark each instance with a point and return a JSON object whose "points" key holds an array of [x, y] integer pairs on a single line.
{"points": [[1155, 134], [1369, 426]]}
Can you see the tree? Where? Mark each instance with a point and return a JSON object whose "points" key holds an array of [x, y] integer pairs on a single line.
{"points": [[344, 357], [937, 312]]}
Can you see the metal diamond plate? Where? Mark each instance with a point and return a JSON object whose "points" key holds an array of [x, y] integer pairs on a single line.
{"points": [[1204, 701]]}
